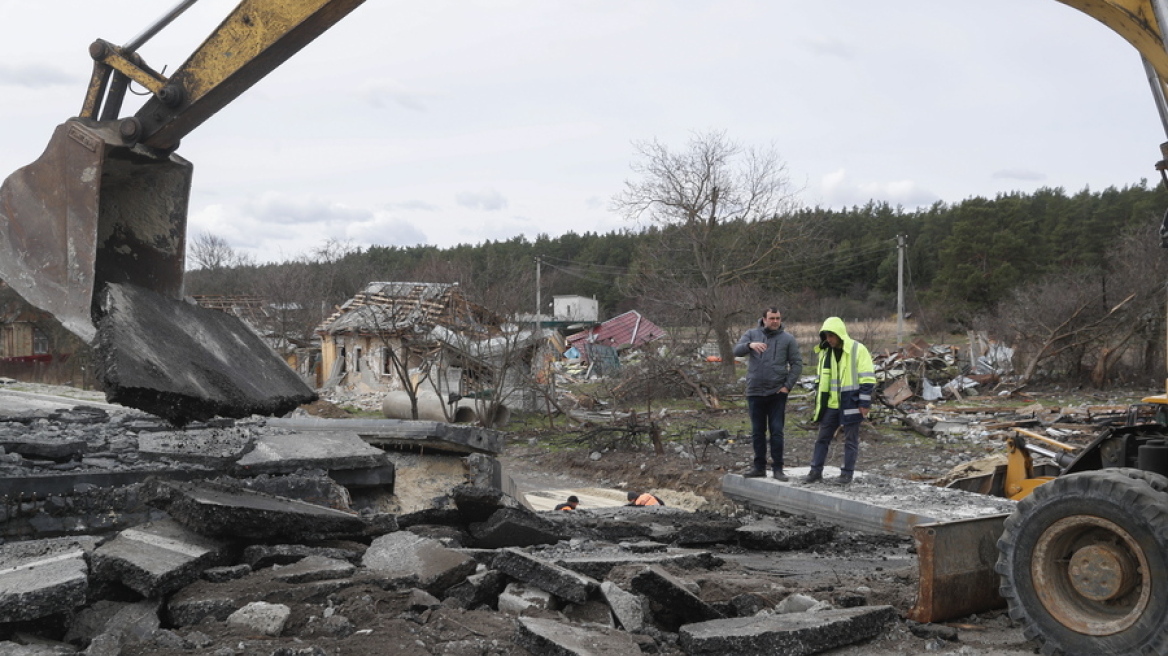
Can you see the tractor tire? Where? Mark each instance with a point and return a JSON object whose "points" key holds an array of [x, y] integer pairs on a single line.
{"points": [[1083, 563]]}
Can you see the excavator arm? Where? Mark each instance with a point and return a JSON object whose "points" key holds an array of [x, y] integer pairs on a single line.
{"points": [[1138, 22], [257, 37], [94, 231]]}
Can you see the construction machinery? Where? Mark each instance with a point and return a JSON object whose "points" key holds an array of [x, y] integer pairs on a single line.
{"points": [[94, 231], [1083, 560]]}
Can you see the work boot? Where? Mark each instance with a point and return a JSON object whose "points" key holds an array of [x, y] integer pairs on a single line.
{"points": [[778, 475], [843, 479], [754, 473], [813, 477]]}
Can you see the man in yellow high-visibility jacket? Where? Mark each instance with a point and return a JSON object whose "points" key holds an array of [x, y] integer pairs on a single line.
{"points": [[846, 380]]}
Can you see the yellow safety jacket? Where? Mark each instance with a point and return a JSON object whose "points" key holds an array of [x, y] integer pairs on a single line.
{"points": [[845, 382]]}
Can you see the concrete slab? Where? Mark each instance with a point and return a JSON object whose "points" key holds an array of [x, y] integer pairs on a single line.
{"points": [[478, 589], [216, 509], [286, 453], [403, 433], [768, 535], [518, 598], [514, 527], [599, 564], [314, 568], [477, 503], [403, 558], [673, 603], [628, 608], [186, 363], [39, 578], [313, 486], [130, 624], [262, 617], [216, 448], [544, 637], [871, 503], [44, 449], [259, 556], [14, 402], [794, 634], [156, 558], [545, 575]]}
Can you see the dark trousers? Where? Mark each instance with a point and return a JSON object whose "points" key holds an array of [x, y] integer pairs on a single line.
{"points": [[827, 427], [767, 414]]}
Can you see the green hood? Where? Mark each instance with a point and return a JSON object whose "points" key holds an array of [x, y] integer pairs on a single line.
{"points": [[835, 325]]}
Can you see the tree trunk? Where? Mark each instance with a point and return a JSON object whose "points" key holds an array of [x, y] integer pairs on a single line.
{"points": [[725, 349]]}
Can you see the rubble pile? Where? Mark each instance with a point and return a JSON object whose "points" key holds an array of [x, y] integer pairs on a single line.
{"points": [[124, 536], [233, 569]]}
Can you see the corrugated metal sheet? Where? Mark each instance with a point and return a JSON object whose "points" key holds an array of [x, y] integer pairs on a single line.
{"points": [[628, 329]]}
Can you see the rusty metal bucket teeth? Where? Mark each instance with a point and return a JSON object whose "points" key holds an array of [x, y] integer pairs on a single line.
{"points": [[91, 211]]}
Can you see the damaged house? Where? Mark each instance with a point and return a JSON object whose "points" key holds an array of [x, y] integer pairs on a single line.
{"points": [[429, 337], [33, 347]]}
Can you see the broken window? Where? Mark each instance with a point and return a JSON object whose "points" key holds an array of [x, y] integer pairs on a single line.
{"points": [[40, 342]]}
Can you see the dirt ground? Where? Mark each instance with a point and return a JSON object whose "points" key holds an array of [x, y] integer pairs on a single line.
{"points": [[881, 567]]}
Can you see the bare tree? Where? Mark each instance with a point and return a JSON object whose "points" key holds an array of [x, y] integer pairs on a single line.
{"points": [[213, 253], [719, 213]]}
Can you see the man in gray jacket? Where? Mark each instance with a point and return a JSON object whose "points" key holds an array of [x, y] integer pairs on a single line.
{"points": [[772, 369]]}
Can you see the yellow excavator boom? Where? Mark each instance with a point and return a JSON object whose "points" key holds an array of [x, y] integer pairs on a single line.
{"points": [[94, 231]]}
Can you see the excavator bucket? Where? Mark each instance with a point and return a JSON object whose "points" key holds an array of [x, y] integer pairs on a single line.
{"points": [[88, 212], [94, 233]]}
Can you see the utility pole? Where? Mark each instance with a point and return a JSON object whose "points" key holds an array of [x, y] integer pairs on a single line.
{"points": [[537, 299], [900, 246]]}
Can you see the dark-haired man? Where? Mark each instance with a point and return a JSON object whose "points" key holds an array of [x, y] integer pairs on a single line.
{"points": [[773, 366]]}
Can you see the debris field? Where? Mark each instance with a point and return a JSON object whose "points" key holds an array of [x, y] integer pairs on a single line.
{"points": [[298, 536]]}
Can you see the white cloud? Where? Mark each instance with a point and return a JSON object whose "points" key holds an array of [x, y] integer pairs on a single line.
{"points": [[1020, 174], [378, 92], [837, 190], [487, 200], [34, 76]]}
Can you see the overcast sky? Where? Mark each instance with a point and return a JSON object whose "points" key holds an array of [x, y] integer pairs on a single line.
{"points": [[443, 122]]}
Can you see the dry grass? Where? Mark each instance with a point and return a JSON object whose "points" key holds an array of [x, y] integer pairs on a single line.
{"points": [[876, 334]]}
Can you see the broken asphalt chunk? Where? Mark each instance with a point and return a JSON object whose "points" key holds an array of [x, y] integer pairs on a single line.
{"points": [[406, 433], [514, 527], [767, 535], [185, 363], [544, 637], [560, 581], [39, 578], [599, 563], [476, 503], [314, 568], [628, 608], [794, 634], [208, 447], [402, 559], [156, 558], [287, 453], [674, 604], [216, 509]]}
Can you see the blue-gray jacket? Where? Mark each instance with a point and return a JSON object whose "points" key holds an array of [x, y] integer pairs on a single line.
{"points": [[777, 367]]}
